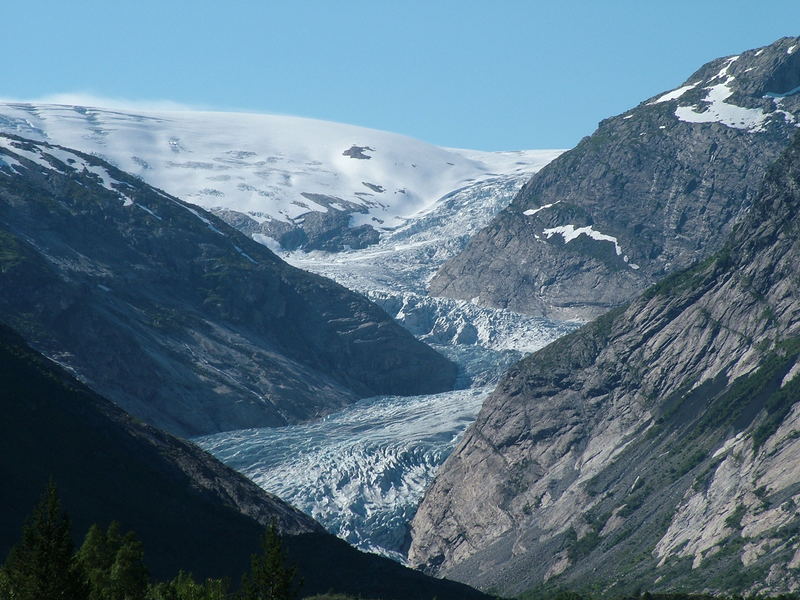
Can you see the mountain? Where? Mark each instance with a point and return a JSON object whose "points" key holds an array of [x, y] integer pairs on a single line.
{"points": [[656, 448], [287, 181], [190, 511], [182, 320], [652, 191]]}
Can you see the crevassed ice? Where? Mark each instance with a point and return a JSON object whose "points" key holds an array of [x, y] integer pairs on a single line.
{"points": [[362, 471]]}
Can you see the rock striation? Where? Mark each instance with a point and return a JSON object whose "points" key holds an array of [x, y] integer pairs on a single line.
{"points": [[652, 191], [656, 448], [182, 320]]}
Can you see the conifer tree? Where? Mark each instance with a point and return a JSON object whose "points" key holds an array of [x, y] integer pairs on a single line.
{"points": [[114, 564], [128, 573], [5, 586], [95, 557], [184, 587], [43, 565], [270, 578]]}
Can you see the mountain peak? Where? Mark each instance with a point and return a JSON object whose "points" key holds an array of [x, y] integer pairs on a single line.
{"points": [[657, 187]]}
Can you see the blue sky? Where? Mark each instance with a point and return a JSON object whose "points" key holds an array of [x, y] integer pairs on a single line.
{"points": [[491, 75]]}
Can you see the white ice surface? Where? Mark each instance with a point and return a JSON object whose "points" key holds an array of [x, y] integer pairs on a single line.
{"points": [[263, 165]]}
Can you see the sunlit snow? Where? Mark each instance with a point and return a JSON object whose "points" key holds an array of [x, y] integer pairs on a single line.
{"points": [[533, 211], [570, 232], [57, 159], [675, 94], [715, 109], [270, 166]]}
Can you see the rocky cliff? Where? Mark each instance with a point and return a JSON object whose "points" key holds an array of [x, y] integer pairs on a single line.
{"points": [[182, 320], [656, 448], [652, 191]]}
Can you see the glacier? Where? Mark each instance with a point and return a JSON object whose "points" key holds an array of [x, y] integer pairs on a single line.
{"points": [[273, 169], [362, 471]]}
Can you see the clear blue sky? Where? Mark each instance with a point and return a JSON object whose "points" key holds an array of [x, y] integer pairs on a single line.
{"points": [[490, 75]]}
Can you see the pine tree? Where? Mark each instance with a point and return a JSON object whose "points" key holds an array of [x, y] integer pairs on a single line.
{"points": [[184, 587], [95, 557], [114, 564], [43, 565], [270, 578], [5, 586], [128, 574]]}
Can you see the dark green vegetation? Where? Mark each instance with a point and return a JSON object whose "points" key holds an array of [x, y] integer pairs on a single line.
{"points": [[42, 564], [110, 566], [190, 512], [177, 317]]}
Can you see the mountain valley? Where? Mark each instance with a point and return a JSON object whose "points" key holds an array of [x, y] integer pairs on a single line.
{"points": [[180, 319]]}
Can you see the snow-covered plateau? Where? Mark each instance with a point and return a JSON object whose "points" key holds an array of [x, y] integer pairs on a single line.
{"points": [[283, 175], [362, 471]]}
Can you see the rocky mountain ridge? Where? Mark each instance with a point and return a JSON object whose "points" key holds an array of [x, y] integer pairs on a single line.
{"points": [[652, 191], [655, 448], [179, 318]]}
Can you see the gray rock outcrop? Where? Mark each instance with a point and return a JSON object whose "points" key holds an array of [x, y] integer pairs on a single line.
{"points": [[656, 448]]}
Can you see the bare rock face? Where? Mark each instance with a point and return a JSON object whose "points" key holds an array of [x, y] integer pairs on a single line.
{"points": [[655, 448], [182, 320], [652, 191]]}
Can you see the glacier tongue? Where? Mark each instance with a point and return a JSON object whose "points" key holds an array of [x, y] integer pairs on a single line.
{"points": [[362, 472]]}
